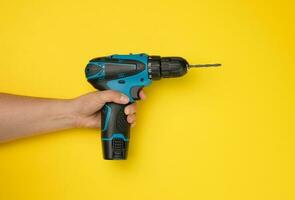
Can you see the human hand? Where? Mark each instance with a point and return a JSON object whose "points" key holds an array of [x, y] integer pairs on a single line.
{"points": [[87, 108]]}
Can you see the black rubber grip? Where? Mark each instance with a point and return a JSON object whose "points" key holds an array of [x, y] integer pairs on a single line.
{"points": [[115, 132]]}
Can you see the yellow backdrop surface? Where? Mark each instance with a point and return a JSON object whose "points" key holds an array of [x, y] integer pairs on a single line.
{"points": [[217, 133]]}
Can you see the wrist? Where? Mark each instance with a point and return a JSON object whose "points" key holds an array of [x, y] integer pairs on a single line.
{"points": [[66, 113]]}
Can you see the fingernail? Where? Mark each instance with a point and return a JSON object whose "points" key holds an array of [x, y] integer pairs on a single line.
{"points": [[127, 111], [144, 97], [124, 99]]}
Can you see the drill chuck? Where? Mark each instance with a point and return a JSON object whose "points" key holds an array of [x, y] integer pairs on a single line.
{"points": [[166, 67]]}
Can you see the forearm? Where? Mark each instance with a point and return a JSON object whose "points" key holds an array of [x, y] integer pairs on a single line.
{"points": [[22, 116]]}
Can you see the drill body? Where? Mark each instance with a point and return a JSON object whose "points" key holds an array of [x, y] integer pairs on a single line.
{"points": [[127, 74]]}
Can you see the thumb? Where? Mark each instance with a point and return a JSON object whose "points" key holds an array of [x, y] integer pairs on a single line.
{"points": [[110, 96]]}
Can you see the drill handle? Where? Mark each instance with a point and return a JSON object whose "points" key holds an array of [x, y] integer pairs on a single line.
{"points": [[115, 132]]}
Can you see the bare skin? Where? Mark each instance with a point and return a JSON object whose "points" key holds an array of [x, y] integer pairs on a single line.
{"points": [[22, 116]]}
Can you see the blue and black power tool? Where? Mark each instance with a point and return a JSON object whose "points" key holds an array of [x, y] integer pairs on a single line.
{"points": [[128, 74]]}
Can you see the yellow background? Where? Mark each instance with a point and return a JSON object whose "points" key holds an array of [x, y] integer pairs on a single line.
{"points": [[218, 133]]}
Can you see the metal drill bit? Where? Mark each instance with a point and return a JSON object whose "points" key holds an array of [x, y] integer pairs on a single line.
{"points": [[205, 65]]}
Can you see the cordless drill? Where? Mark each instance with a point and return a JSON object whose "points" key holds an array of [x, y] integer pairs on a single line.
{"points": [[128, 74]]}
